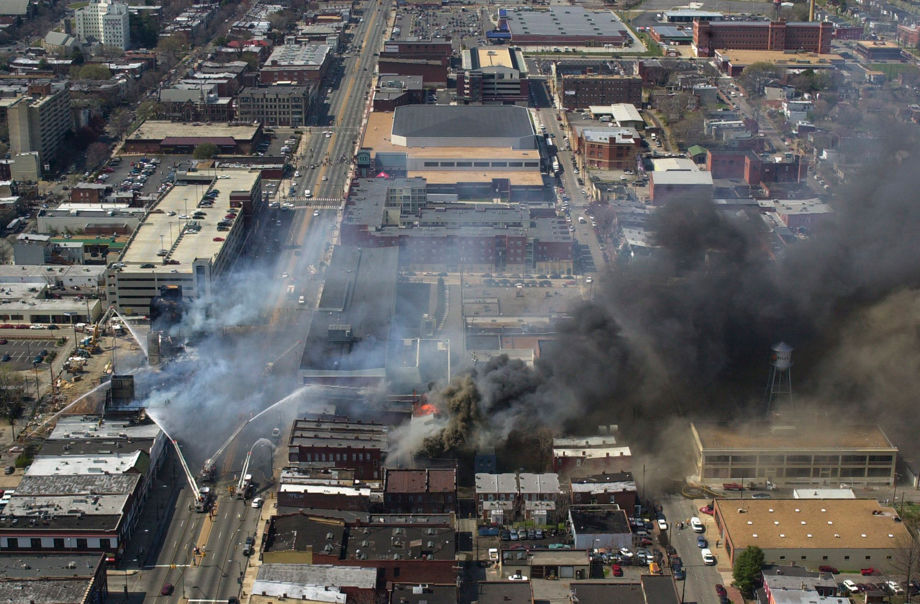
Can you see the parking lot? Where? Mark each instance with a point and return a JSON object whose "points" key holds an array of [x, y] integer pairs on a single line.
{"points": [[133, 173], [466, 26], [17, 354]]}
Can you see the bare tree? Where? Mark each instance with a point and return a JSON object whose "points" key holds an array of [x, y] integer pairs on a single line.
{"points": [[905, 561]]}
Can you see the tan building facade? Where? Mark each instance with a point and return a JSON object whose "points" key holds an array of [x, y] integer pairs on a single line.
{"points": [[793, 455], [848, 534]]}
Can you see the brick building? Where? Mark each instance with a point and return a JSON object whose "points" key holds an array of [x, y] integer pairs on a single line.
{"points": [[426, 58], [394, 91], [428, 491], [608, 149], [279, 105], [89, 192], [328, 441], [878, 50], [615, 487], [581, 91], [908, 35], [293, 63], [709, 36]]}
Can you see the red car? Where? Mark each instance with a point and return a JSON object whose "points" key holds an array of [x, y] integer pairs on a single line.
{"points": [[167, 589], [866, 572], [616, 570], [720, 591], [732, 486], [828, 569], [707, 509]]}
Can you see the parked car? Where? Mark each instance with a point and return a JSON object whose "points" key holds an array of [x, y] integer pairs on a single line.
{"points": [[828, 569], [867, 572], [720, 590], [167, 589], [701, 542]]}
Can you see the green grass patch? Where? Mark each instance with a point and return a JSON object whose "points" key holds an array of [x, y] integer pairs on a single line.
{"points": [[893, 68]]}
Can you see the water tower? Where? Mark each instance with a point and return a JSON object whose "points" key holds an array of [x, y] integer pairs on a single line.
{"points": [[780, 383]]}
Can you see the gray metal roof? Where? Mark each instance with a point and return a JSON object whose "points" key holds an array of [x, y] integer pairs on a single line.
{"points": [[564, 21], [461, 121], [319, 574]]}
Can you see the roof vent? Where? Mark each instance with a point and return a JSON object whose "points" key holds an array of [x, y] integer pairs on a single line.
{"points": [[754, 535]]}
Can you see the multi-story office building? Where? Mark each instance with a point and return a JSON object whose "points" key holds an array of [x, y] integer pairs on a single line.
{"points": [[105, 22], [279, 105], [40, 120]]}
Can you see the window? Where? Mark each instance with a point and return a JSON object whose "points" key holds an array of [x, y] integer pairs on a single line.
{"points": [[395, 571], [868, 557], [846, 557], [782, 557], [58, 543], [81, 544], [35, 543], [824, 557], [804, 557]]}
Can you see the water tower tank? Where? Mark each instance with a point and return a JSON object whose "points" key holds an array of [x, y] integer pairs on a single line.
{"points": [[782, 356]]}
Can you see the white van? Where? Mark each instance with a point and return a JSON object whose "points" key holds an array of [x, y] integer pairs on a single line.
{"points": [[697, 525]]}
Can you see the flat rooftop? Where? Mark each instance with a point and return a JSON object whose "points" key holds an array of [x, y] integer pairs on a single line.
{"points": [[501, 592], [789, 524], [599, 519], [288, 55], [90, 426], [319, 574], [87, 464], [495, 56], [377, 136], [165, 227], [300, 532], [741, 58], [400, 542], [325, 430], [65, 505], [462, 121], [563, 21], [48, 566], [520, 178], [350, 329], [797, 438], [83, 484], [159, 129]]}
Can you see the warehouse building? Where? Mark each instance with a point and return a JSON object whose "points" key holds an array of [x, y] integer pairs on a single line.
{"points": [[710, 36], [174, 247], [330, 441], [294, 63], [74, 578], [843, 533], [279, 105], [158, 137], [787, 455], [563, 26]]}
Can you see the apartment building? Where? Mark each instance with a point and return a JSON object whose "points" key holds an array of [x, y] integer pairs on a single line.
{"points": [[105, 22], [39, 120]]}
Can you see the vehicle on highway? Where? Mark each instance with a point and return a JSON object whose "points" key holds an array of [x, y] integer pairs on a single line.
{"points": [[307, 193], [315, 213], [301, 300]]}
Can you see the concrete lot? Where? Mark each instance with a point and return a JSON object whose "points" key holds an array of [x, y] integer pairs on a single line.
{"points": [[21, 351]]}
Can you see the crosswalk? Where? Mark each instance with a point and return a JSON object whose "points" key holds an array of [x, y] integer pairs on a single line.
{"points": [[328, 203]]}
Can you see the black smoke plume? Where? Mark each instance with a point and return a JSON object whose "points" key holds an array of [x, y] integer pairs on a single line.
{"points": [[687, 331]]}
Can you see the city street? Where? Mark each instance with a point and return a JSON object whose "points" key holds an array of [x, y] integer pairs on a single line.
{"points": [[701, 580]]}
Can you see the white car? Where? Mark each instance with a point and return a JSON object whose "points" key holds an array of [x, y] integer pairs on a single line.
{"points": [[287, 205], [315, 212], [894, 587], [697, 525], [708, 558], [297, 174], [662, 524], [851, 586], [257, 502]]}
